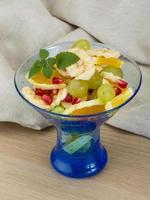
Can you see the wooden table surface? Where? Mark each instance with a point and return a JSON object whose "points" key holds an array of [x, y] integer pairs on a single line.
{"points": [[25, 173]]}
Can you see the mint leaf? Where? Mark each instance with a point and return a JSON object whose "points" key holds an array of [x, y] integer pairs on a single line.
{"points": [[43, 63], [51, 61], [65, 59], [47, 71], [48, 68], [36, 67], [43, 53]]}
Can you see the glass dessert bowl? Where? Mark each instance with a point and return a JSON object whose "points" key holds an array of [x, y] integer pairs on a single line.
{"points": [[79, 152]]}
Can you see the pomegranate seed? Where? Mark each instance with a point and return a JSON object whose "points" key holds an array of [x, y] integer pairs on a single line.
{"points": [[76, 100], [47, 99], [117, 91], [123, 84], [68, 98], [57, 80], [39, 92], [54, 91]]}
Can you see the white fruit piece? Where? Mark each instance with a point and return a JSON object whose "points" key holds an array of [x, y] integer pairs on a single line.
{"points": [[59, 97], [110, 77], [107, 53]]}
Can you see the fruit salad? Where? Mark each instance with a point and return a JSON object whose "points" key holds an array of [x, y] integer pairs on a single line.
{"points": [[78, 81]]}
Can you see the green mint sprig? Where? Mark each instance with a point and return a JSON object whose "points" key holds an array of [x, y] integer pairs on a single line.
{"points": [[45, 63]]}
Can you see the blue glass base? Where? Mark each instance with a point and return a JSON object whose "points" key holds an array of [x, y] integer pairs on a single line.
{"points": [[80, 165]]}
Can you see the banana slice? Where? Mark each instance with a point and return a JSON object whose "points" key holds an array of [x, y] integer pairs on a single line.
{"points": [[107, 53], [110, 77], [60, 96], [30, 95]]}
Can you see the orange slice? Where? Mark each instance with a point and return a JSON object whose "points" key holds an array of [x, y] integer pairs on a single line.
{"points": [[115, 62], [41, 82], [40, 78], [85, 107], [118, 100], [89, 110]]}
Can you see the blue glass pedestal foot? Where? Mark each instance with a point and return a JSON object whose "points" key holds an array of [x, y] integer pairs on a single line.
{"points": [[79, 165]]}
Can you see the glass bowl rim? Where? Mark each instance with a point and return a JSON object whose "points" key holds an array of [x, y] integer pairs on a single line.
{"points": [[98, 44]]}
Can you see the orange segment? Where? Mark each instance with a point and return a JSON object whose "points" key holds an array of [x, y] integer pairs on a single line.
{"points": [[89, 110], [40, 78], [115, 62], [118, 100]]}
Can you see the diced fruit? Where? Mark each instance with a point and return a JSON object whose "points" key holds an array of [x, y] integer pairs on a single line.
{"points": [[82, 44], [57, 80], [117, 91], [115, 71], [77, 144], [58, 109], [95, 81], [122, 83], [76, 100], [47, 98], [68, 98], [78, 88], [114, 62], [118, 100], [78, 81], [105, 93]]}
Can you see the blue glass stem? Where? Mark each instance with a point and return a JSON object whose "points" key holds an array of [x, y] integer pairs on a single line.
{"points": [[78, 152]]}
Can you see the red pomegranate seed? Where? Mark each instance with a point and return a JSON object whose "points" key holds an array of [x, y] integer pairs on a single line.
{"points": [[123, 84], [54, 91], [117, 91], [47, 99], [39, 92], [68, 98], [76, 100], [57, 80]]}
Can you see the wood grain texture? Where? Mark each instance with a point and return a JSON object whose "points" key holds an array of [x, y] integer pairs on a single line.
{"points": [[25, 172]]}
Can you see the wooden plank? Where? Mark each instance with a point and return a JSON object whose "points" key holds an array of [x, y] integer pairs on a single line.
{"points": [[25, 172]]}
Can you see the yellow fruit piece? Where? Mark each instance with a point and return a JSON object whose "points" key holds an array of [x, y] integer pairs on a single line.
{"points": [[41, 82], [115, 62], [120, 99], [89, 110], [85, 107], [40, 78]]}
